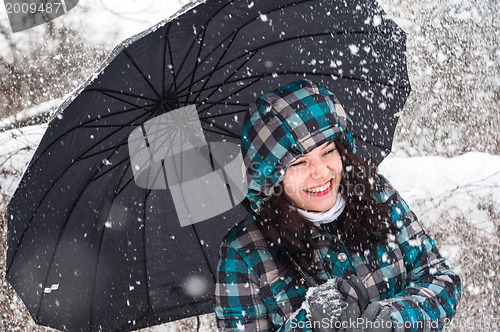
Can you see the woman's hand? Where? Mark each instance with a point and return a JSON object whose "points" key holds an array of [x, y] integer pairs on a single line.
{"points": [[363, 315], [326, 304]]}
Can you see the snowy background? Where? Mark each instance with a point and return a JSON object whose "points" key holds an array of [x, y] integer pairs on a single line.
{"points": [[446, 160]]}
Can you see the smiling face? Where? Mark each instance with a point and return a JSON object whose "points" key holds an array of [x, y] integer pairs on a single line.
{"points": [[312, 181]]}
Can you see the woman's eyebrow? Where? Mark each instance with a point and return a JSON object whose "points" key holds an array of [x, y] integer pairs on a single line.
{"points": [[302, 158], [328, 145]]}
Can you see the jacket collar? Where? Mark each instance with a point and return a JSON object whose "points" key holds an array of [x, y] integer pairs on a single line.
{"points": [[332, 228]]}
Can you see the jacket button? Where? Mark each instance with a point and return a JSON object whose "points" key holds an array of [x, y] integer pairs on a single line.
{"points": [[342, 257]]}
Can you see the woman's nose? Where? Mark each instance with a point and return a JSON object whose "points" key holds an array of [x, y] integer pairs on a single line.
{"points": [[319, 170]]}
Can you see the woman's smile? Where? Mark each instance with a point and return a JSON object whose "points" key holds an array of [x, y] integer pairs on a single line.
{"points": [[320, 190]]}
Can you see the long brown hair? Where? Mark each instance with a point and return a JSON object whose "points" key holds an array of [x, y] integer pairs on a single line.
{"points": [[366, 225]]}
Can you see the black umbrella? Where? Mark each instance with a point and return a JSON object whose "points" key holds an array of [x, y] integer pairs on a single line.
{"points": [[95, 236]]}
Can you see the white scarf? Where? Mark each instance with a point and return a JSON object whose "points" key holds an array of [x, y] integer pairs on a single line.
{"points": [[318, 218]]}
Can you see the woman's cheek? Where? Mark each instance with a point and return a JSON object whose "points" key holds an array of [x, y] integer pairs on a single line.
{"points": [[290, 188]]}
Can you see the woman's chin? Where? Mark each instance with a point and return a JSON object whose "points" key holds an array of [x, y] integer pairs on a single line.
{"points": [[320, 204]]}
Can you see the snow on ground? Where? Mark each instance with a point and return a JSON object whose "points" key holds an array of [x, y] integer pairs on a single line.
{"points": [[17, 148], [30, 113], [458, 184], [444, 191]]}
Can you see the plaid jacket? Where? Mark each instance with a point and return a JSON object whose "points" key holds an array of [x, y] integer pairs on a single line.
{"points": [[409, 276]]}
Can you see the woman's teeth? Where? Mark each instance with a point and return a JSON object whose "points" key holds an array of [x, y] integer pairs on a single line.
{"points": [[319, 189]]}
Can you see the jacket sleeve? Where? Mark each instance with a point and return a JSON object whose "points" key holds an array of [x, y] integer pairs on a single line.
{"points": [[429, 301], [238, 302]]}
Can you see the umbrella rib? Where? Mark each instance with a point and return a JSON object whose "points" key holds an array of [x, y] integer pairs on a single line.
{"points": [[66, 223], [232, 39], [82, 156], [200, 43], [226, 104], [225, 114], [99, 254], [225, 131], [142, 74], [232, 94], [388, 150], [193, 43], [164, 60], [92, 300], [205, 25], [233, 36], [163, 163], [216, 66], [236, 31], [288, 72], [250, 54], [108, 92], [219, 133], [115, 147], [132, 177], [205, 257], [146, 277], [84, 125], [109, 170], [110, 126], [47, 192], [249, 57], [125, 186], [192, 225], [58, 243], [174, 76], [260, 77]]}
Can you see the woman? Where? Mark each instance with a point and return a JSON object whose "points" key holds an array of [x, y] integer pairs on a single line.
{"points": [[318, 208]]}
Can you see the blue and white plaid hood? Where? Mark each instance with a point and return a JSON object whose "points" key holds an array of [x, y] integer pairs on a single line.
{"points": [[284, 124]]}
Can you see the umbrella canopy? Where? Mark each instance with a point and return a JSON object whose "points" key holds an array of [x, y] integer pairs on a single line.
{"points": [[93, 243]]}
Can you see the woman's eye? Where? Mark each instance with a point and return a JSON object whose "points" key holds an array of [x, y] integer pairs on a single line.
{"points": [[330, 151], [296, 164]]}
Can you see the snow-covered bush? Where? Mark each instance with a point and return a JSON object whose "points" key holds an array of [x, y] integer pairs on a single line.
{"points": [[454, 67], [43, 64]]}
